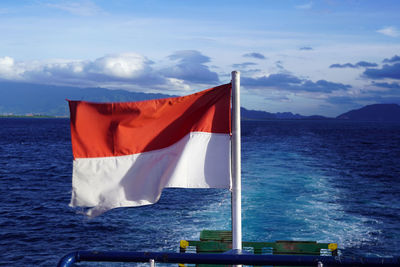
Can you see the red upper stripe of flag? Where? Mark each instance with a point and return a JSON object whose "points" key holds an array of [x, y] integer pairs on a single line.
{"points": [[117, 129]]}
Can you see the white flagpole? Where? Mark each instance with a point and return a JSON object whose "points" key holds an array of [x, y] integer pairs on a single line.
{"points": [[236, 169]]}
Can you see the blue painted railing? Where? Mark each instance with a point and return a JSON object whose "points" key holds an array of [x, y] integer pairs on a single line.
{"points": [[227, 259]]}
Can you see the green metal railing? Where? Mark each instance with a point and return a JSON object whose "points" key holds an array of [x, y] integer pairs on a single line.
{"points": [[215, 248]]}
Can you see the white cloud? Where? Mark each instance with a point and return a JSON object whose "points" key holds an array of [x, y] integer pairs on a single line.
{"points": [[6, 64], [127, 65], [9, 69], [177, 85], [305, 6], [389, 31]]}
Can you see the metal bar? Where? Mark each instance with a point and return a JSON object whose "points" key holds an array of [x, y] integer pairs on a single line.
{"points": [[225, 259], [236, 165], [69, 259]]}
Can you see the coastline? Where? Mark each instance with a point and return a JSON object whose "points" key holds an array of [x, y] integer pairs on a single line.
{"points": [[32, 117]]}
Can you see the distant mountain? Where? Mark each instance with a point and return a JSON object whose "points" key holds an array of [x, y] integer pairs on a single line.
{"points": [[263, 115], [256, 114], [376, 112], [24, 98], [289, 115]]}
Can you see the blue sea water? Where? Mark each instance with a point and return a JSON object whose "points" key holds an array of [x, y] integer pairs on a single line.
{"points": [[329, 181]]}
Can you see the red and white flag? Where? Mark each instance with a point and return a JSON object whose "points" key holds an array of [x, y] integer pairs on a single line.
{"points": [[126, 153]]}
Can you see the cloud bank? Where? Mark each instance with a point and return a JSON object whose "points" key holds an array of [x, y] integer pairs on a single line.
{"points": [[255, 55], [395, 58], [126, 70], [244, 65], [188, 70], [291, 83], [359, 64], [190, 65], [393, 86], [128, 67], [387, 71]]}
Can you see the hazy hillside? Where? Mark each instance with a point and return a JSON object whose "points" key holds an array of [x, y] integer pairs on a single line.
{"points": [[255, 114], [376, 112], [24, 98], [263, 115]]}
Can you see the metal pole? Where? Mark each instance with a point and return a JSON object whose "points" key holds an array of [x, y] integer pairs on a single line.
{"points": [[236, 168]]}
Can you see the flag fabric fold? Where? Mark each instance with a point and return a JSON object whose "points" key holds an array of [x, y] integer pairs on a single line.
{"points": [[126, 153]]}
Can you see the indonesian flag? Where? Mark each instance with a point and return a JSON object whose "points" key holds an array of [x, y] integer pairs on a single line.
{"points": [[126, 153]]}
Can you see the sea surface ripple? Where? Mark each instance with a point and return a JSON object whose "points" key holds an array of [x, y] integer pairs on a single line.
{"points": [[329, 181]]}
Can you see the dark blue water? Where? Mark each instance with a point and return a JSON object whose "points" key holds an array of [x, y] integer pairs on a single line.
{"points": [[328, 181]]}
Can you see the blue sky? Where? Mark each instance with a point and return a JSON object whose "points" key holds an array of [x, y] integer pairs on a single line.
{"points": [[307, 57]]}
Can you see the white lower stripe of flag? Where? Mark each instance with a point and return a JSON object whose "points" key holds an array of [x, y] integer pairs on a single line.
{"points": [[199, 160]]}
